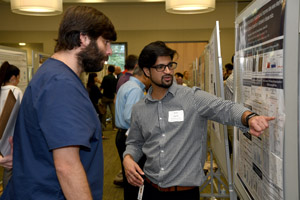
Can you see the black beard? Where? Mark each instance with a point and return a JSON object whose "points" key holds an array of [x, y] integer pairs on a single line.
{"points": [[162, 84], [91, 58]]}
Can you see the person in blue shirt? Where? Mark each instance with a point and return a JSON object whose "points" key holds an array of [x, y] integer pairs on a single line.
{"points": [[129, 93], [57, 142]]}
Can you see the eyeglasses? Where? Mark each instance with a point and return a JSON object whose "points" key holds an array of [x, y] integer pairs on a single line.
{"points": [[162, 67]]}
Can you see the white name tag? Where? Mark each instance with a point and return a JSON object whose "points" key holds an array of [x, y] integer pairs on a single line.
{"points": [[176, 116], [140, 194]]}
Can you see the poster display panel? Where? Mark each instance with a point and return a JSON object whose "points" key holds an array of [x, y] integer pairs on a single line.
{"points": [[38, 58], [258, 161], [201, 70], [17, 57], [218, 132]]}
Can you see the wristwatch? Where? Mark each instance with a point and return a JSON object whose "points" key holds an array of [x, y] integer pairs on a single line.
{"points": [[249, 117]]}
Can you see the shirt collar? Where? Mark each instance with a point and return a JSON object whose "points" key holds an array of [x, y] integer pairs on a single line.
{"points": [[137, 81], [172, 90]]}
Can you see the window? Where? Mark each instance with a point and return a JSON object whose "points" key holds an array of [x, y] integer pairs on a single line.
{"points": [[119, 54]]}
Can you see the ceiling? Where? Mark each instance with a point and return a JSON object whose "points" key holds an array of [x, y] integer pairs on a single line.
{"points": [[129, 1]]}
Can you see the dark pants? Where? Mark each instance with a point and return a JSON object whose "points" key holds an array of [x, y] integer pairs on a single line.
{"points": [[151, 193], [110, 103], [130, 192]]}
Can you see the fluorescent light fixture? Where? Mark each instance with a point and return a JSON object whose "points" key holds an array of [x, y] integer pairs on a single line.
{"points": [[37, 7], [190, 6], [22, 44]]}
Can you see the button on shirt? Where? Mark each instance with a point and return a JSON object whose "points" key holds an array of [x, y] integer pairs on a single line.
{"points": [[172, 133], [129, 93]]}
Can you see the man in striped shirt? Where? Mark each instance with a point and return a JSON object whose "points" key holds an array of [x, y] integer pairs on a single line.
{"points": [[169, 126]]}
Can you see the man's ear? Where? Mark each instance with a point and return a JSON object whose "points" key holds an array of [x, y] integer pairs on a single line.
{"points": [[146, 71], [84, 40]]}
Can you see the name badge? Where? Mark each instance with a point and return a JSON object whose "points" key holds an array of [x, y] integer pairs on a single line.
{"points": [[176, 116], [140, 194]]}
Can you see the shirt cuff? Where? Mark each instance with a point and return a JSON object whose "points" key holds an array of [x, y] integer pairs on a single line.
{"points": [[134, 152]]}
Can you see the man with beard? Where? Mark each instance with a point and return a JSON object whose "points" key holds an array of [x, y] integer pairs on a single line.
{"points": [[169, 126], [57, 143]]}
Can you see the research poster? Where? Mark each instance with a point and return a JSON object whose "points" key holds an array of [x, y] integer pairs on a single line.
{"points": [[19, 59], [201, 72], [213, 78], [259, 61]]}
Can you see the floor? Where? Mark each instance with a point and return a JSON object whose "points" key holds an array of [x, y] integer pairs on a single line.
{"points": [[112, 166]]}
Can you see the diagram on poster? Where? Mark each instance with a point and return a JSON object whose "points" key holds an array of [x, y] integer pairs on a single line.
{"points": [[259, 63]]}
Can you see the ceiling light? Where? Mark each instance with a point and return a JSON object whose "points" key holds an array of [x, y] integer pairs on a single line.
{"points": [[37, 7], [22, 44], [190, 6]]}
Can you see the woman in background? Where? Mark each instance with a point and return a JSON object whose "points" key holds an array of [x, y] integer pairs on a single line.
{"points": [[9, 79], [94, 93]]}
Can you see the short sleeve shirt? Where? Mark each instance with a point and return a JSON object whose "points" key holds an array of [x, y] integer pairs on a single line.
{"points": [[55, 112]]}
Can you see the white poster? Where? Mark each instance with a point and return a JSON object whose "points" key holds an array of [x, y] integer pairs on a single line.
{"points": [[259, 61], [19, 59]]}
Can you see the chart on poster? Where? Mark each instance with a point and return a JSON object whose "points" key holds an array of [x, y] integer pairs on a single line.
{"points": [[260, 77]]}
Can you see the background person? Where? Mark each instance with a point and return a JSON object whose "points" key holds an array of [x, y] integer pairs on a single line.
{"points": [[95, 94], [179, 78], [228, 94], [9, 79], [118, 72], [228, 70], [130, 64], [169, 126], [186, 79], [57, 143], [108, 86], [129, 93]]}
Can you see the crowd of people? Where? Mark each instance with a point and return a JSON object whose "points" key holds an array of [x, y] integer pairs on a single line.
{"points": [[161, 122]]}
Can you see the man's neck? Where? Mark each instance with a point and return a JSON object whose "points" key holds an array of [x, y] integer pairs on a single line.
{"points": [[70, 59], [158, 92]]}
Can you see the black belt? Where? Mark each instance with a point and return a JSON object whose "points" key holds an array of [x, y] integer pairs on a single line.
{"points": [[123, 130]]}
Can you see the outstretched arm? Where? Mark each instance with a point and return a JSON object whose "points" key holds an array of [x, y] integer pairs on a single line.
{"points": [[257, 124]]}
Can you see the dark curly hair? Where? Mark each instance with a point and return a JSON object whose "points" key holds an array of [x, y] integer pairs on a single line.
{"points": [[83, 20], [153, 50]]}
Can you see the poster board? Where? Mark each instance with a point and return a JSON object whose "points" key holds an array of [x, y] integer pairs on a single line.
{"points": [[17, 57], [218, 132], [38, 58], [259, 84], [201, 71]]}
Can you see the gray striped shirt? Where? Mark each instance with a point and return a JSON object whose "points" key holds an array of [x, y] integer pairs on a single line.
{"points": [[172, 133]]}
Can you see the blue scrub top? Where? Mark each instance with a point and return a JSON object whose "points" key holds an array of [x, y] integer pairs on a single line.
{"points": [[55, 112]]}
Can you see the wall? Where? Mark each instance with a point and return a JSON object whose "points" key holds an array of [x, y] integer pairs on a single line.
{"points": [[136, 23], [136, 40]]}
